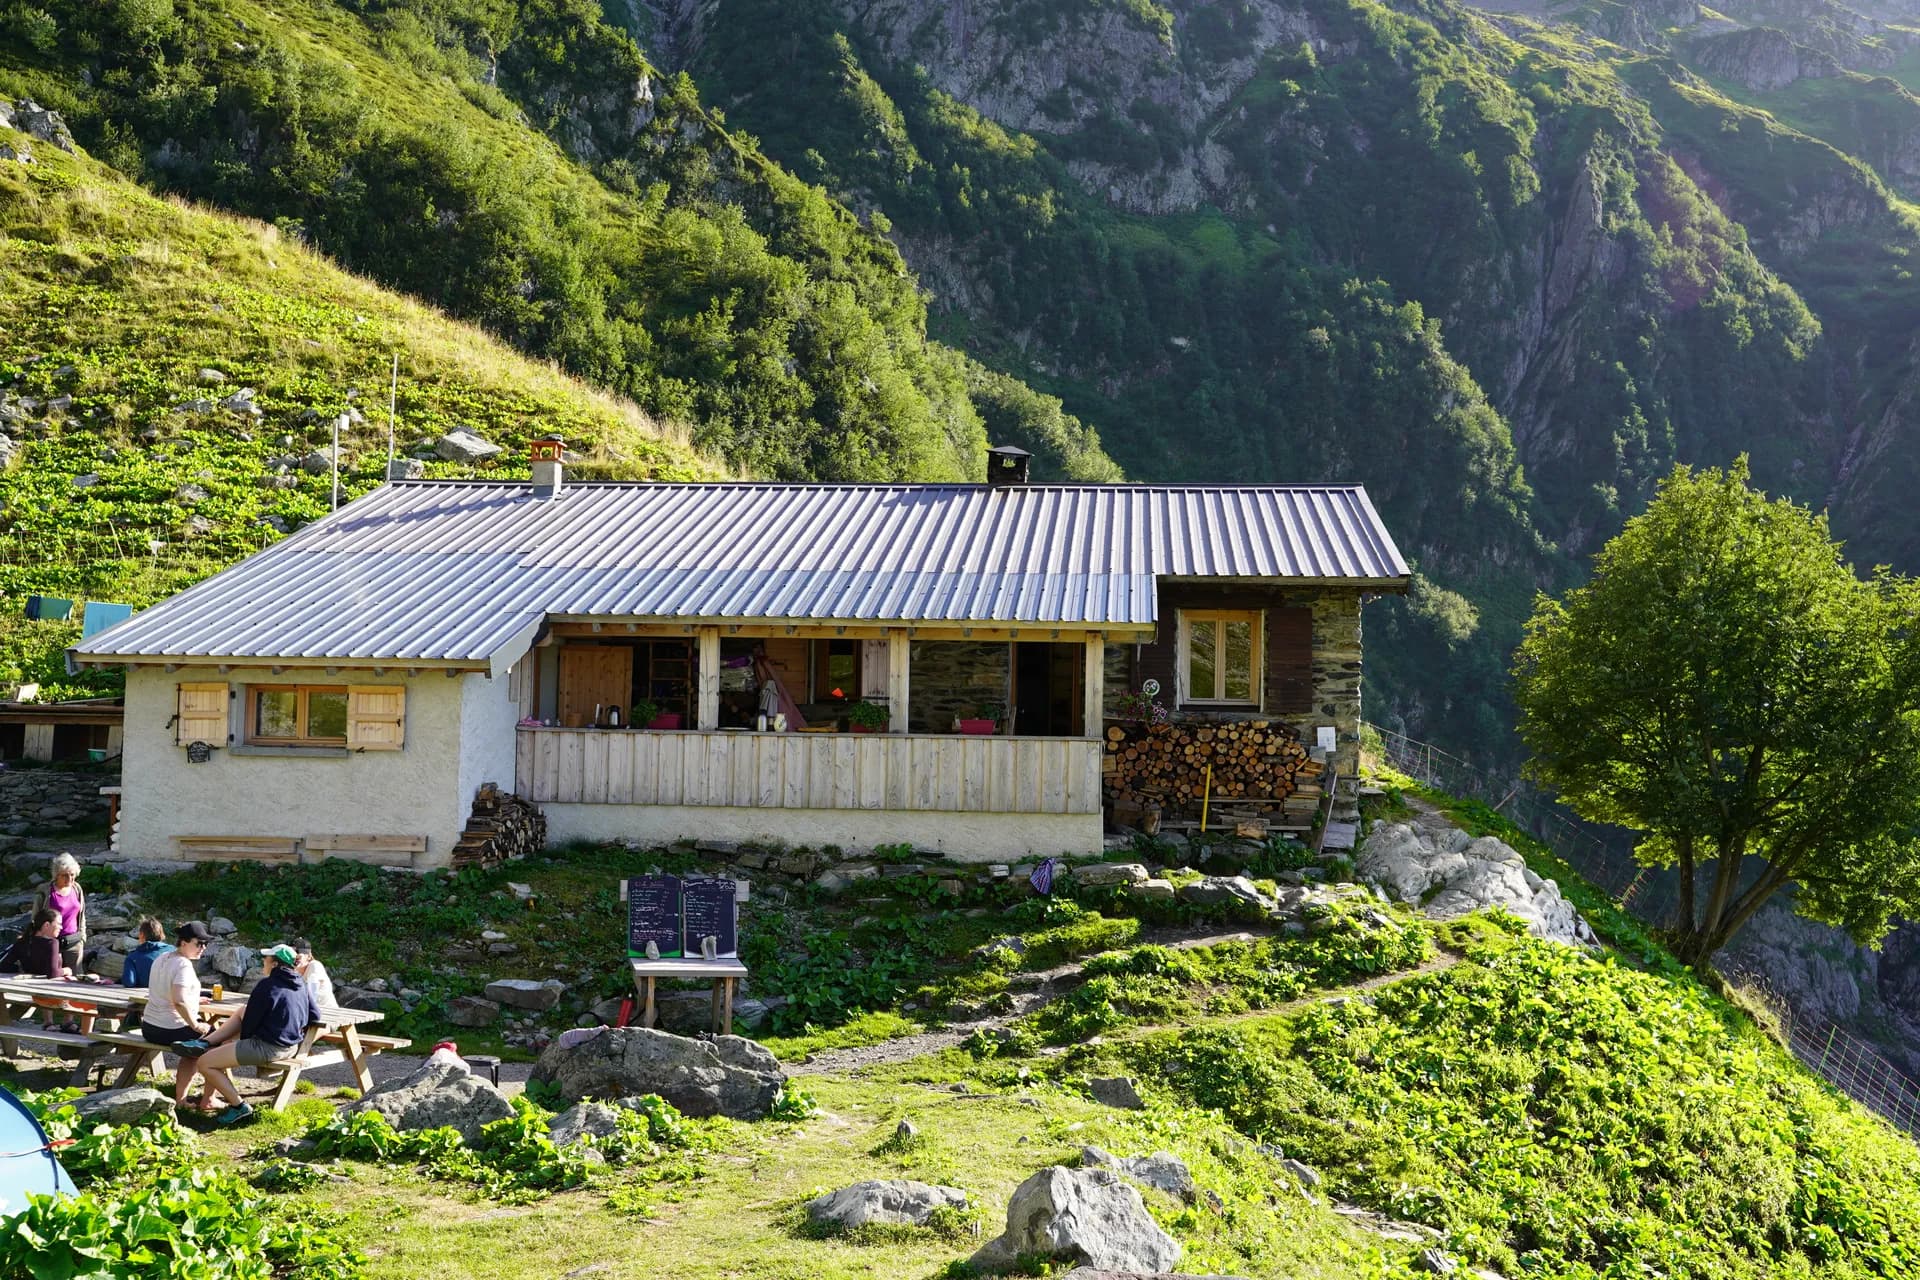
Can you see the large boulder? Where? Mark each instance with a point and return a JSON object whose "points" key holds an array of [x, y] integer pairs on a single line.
{"points": [[1088, 1216], [436, 1094], [1095, 1273], [1116, 1091], [726, 1076], [1448, 873], [123, 1106], [525, 993], [472, 1011], [1109, 873], [1239, 895], [1162, 1170], [462, 445], [888, 1203]]}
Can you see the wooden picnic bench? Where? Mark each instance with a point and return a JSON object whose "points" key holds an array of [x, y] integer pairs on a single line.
{"points": [[723, 973], [335, 1039]]}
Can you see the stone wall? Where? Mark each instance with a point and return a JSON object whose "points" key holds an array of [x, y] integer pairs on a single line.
{"points": [[52, 799], [952, 677]]}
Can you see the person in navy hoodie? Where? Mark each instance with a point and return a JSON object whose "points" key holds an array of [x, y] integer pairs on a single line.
{"points": [[135, 969], [279, 1011]]}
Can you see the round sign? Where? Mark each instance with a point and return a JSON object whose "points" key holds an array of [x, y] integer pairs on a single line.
{"points": [[1151, 688]]}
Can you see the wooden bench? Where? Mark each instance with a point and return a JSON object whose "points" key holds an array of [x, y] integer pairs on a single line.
{"points": [[376, 851], [271, 849], [90, 1048]]}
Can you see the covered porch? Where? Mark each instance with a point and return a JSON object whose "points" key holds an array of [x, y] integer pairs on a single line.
{"points": [[1025, 778]]}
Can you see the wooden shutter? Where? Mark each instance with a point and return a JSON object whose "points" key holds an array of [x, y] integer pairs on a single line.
{"points": [[201, 714], [1289, 661], [376, 717]]}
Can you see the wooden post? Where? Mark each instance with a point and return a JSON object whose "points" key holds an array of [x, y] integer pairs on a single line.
{"points": [[709, 715], [38, 744], [899, 660], [1096, 685]]}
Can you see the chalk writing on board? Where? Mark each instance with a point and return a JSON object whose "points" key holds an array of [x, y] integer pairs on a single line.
{"points": [[653, 914], [709, 910]]}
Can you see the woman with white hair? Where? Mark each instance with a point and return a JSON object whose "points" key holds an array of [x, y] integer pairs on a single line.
{"points": [[66, 899]]}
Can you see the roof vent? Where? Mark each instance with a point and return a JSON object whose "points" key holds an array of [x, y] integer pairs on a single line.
{"points": [[1007, 465], [546, 454]]}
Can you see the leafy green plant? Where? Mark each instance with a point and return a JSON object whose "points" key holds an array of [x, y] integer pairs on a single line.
{"points": [[793, 1103], [868, 715]]}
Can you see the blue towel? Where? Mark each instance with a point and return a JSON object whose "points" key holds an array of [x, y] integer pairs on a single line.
{"points": [[99, 616], [49, 608]]}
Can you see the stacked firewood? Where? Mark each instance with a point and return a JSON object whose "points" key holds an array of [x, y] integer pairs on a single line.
{"points": [[502, 826], [1162, 768]]}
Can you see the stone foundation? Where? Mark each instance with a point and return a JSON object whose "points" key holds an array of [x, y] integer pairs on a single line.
{"points": [[52, 799], [962, 837]]}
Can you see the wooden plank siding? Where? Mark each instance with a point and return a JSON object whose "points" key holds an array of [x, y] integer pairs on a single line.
{"points": [[938, 773], [1287, 676]]}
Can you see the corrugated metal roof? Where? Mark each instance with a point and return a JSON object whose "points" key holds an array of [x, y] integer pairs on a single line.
{"points": [[456, 571]]}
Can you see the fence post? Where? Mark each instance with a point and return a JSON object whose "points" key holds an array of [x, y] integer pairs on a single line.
{"points": [[1832, 1031]]}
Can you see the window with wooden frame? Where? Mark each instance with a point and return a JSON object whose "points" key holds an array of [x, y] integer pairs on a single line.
{"points": [[1220, 657], [297, 715]]}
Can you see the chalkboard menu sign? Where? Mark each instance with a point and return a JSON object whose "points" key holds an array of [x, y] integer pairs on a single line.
{"points": [[653, 914], [709, 911]]}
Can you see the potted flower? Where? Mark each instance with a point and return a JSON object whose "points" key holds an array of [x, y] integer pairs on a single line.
{"points": [[644, 712], [867, 717], [984, 720]]}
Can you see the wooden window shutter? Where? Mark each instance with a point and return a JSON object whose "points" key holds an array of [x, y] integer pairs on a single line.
{"points": [[376, 717], [201, 714], [1289, 661]]}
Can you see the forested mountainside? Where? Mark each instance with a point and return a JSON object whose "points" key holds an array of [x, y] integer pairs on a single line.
{"points": [[1505, 268]]}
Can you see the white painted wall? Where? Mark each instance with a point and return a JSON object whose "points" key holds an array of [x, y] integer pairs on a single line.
{"points": [[489, 709], [413, 791], [964, 837]]}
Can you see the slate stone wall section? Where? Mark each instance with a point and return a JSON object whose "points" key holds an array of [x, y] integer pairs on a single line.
{"points": [[52, 800], [952, 677]]}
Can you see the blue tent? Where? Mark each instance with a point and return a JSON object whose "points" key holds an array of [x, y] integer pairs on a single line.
{"points": [[27, 1161]]}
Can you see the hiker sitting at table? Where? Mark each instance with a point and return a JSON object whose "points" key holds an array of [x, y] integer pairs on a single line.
{"points": [[314, 974], [65, 896], [37, 955], [279, 1011], [139, 962], [172, 1015]]}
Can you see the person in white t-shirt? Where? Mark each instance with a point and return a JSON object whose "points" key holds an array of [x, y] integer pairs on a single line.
{"points": [[172, 1015], [314, 974]]}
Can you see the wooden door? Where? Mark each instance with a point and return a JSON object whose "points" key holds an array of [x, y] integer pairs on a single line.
{"points": [[594, 677]]}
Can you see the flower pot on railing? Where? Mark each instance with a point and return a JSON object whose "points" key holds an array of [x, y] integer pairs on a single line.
{"points": [[665, 720], [976, 726]]}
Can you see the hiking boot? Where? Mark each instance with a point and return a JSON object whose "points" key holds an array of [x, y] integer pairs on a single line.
{"points": [[234, 1115]]}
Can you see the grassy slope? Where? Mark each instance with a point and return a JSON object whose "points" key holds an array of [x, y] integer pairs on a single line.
{"points": [[1551, 1113], [138, 294]]}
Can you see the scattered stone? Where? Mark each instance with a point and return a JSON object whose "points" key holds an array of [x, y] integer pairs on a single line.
{"points": [[122, 1106], [1086, 1215], [1437, 1262], [406, 469], [220, 926], [502, 949], [85, 480], [904, 1132], [242, 402], [525, 993], [891, 1203], [232, 960], [24, 154], [492, 935], [1236, 893], [1110, 873], [472, 1011], [350, 887], [726, 1076], [190, 493], [520, 891], [1116, 1091], [436, 1094], [1161, 1170], [1157, 889], [462, 445], [1306, 1175], [583, 1120], [211, 377]]}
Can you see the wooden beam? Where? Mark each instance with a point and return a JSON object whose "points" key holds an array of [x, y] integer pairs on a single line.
{"points": [[899, 654], [709, 662], [1096, 686]]}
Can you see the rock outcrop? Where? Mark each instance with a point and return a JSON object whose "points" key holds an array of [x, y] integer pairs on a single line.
{"points": [[1447, 873], [1086, 1216], [892, 1202], [439, 1094], [727, 1076]]}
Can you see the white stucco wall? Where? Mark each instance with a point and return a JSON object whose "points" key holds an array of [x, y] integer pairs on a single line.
{"points": [[489, 709], [964, 837], [414, 791]]}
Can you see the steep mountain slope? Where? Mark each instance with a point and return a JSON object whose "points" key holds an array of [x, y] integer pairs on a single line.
{"points": [[1421, 248], [126, 320]]}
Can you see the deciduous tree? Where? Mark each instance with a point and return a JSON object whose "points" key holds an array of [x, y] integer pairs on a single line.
{"points": [[1729, 685]]}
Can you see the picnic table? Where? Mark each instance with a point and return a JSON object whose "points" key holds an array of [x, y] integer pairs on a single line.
{"points": [[335, 1038], [723, 972]]}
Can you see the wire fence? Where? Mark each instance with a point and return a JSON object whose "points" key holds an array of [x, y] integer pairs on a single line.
{"points": [[1604, 858]]}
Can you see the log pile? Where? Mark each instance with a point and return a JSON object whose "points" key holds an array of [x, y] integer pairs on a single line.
{"points": [[1261, 773], [502, 826]]}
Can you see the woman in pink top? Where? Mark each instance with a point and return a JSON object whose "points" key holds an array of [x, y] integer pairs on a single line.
{"points": [[66, 899]]}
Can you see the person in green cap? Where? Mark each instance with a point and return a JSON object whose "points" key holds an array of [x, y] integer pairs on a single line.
{"points": [[279, 1011]]}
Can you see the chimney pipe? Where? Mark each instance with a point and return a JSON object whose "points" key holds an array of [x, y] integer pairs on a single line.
{"points": [[546, 454], [1007, 465]]}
